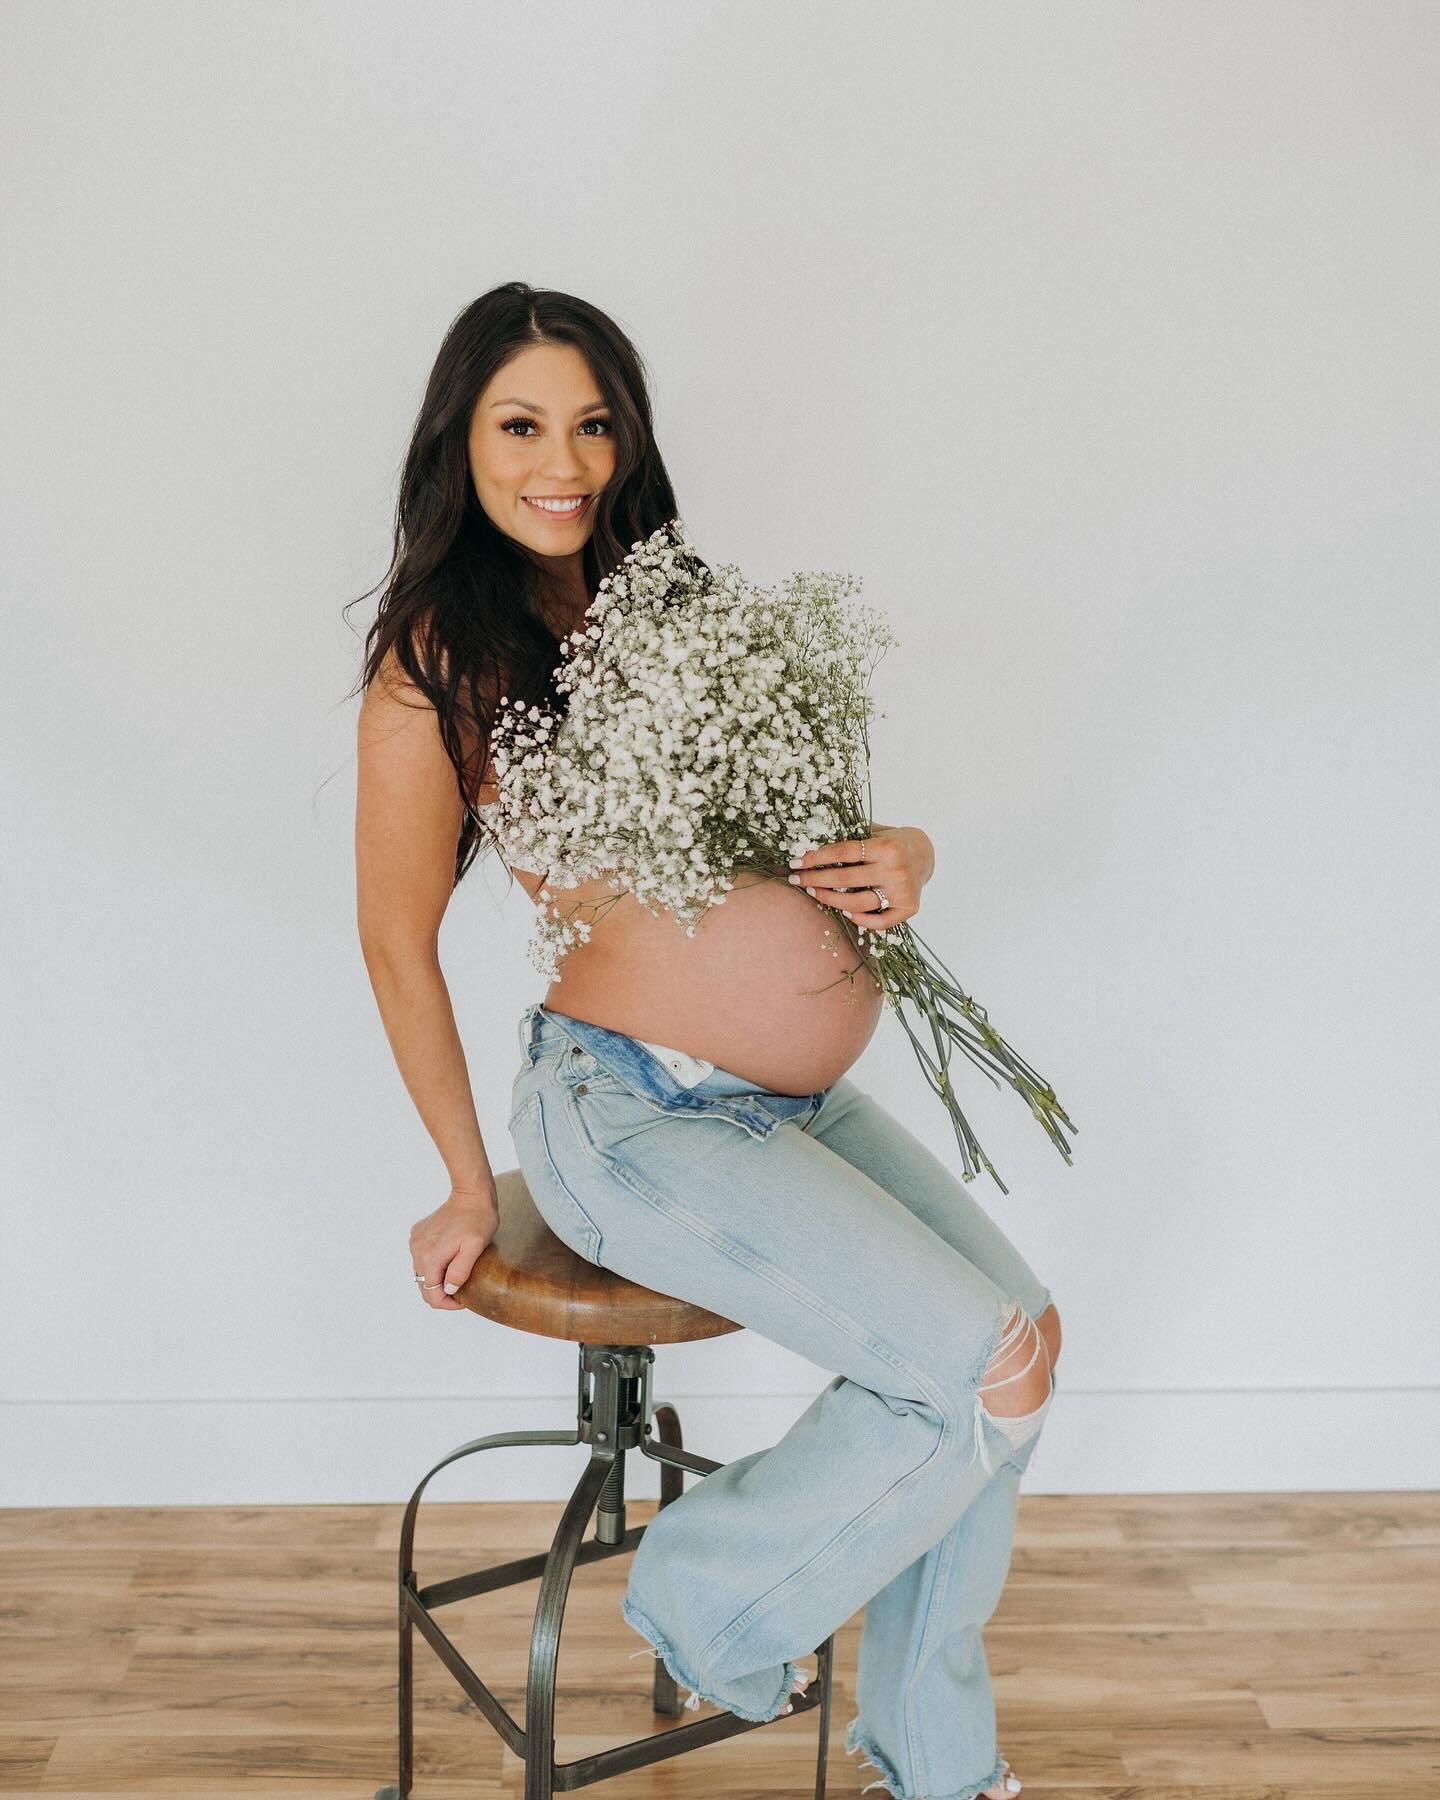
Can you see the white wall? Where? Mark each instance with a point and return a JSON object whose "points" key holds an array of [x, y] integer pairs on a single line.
{"points": [[1098, 339]]}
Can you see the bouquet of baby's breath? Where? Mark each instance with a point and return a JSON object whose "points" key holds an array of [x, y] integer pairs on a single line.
{"points": [[715, 727]]}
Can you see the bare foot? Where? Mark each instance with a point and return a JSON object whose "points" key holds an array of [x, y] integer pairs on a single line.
{"points": [[1006, 1787]]}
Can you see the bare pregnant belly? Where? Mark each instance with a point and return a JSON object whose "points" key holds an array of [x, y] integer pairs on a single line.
{"points": [[757, 990]]}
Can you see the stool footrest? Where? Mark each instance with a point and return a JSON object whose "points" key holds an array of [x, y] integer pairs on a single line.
{"points": [[523, 1568], [640, 1752]]}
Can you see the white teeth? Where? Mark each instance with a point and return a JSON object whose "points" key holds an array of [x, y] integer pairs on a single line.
{"points": [[559, 506]]}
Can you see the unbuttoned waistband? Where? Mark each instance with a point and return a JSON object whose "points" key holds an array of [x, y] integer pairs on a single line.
{"points": [[643, 1069]]}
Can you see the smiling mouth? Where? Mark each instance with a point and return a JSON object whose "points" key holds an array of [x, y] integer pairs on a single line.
{"points": [[558, 506]]}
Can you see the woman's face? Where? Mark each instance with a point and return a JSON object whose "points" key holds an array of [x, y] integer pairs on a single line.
{"points": [[540, 431]]}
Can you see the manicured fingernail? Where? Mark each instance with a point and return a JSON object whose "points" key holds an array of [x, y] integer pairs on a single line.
{"points": [[795, 861], [452, 1287], [811, 892], [792, 878]]}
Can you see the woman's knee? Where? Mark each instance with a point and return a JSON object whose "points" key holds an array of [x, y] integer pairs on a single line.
{"points": [[1017, 1377], [1049, 1324]]}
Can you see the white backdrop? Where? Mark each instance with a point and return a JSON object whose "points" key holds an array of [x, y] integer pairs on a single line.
{"points": [[1099, 340]]}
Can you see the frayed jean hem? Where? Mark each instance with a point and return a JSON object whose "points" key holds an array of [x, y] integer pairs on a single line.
{"points": [[637, 1621], [855, 1739]]}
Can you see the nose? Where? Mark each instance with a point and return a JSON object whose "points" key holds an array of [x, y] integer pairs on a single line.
{"points": [[557, 469]]}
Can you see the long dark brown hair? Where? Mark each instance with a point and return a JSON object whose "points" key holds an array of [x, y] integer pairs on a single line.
{"points": [[460, 605]]}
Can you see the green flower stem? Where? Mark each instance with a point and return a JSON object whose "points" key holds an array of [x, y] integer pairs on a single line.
{"points": [[911, 974]]}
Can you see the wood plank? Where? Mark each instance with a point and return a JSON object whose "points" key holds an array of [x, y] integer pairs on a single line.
{"points": [[1156, 1647]]}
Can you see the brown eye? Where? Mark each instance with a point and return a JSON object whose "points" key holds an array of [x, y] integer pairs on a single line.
{"points": [[605, 423]]}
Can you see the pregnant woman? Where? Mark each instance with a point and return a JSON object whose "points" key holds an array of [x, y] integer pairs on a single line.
{"points": [[681, 1111]]}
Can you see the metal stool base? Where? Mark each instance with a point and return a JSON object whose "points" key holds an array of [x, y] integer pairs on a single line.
{"points": [[613, 1415]]}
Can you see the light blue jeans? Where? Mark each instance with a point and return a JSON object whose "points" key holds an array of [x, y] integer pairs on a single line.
{"points": [[820, 1222]]}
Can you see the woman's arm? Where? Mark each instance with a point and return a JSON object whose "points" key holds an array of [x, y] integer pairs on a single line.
{"points": [[407, 827]]}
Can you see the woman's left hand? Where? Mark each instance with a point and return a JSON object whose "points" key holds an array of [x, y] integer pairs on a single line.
{"points": [[897, 859]]}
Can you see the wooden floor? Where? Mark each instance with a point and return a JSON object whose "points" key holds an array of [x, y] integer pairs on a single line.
{"points": [[1210, 1647]]}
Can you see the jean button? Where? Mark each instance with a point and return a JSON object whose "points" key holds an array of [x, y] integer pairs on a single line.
{"points": [[582, 1089]]}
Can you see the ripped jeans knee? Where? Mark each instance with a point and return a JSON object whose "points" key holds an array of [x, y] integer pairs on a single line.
{"points": [[1021, 1349]]}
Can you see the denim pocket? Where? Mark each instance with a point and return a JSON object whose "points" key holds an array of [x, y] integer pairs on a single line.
{"points": [[554, 1201]]}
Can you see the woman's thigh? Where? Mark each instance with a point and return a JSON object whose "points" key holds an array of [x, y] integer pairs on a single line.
{"points": [[860, 1131], [784, 1233]]}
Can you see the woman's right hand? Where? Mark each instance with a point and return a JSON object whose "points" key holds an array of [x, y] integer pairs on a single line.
{"points": [[446, 1244]]}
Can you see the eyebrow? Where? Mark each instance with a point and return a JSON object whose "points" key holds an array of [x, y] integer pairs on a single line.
{"points": [[593, 406]]}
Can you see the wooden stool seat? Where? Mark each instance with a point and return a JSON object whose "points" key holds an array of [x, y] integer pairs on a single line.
{"points": [[529, 1279]]}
